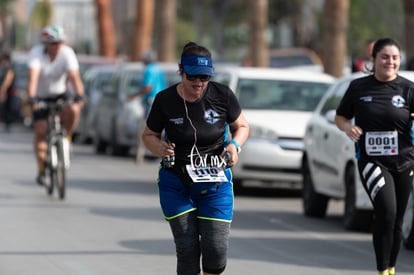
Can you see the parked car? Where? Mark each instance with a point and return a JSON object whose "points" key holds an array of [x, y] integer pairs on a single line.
{"points": [[95, 80], [329, 167], [118, 119], [277, 104], [113, 101], [293, 57]]}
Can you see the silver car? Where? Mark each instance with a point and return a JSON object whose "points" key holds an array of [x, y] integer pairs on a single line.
{"points": [[95, 80], [119, 118]]}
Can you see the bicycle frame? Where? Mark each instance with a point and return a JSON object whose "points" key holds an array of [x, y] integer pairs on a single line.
{"points": [[58, 157]]}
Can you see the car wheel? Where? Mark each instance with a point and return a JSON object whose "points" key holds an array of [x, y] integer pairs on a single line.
{"points": [[100, 145], [408, 224], [237, 185], [314, 204], [354, 219]]}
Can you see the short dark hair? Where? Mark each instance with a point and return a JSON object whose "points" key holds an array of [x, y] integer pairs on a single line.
{"points": [[381, 43]]}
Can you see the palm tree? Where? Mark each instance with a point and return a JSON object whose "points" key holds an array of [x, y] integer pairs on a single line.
{"points": [[106, 33], [409, 26], [166, 18], [335, 28], [143, 28], [258, 52]]}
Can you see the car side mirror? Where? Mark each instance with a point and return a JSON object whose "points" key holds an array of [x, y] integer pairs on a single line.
{"points": [[330, 116]]}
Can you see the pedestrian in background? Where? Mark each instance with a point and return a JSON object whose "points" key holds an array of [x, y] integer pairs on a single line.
{"points": [[364, 63], [9, 99], [188, 128], [383, 107], [154, 80]]}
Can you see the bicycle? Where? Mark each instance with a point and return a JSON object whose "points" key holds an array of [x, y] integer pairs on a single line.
{"points": [[58, 155]]}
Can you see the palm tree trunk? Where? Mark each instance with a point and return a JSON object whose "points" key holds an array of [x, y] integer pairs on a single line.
{"points": [[106, 33], [143, 27], [166, 16], [258, 53], [409, 26], [335, 28]]}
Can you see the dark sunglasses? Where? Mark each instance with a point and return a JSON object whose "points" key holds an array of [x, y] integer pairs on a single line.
{"points": [[202, 77]]}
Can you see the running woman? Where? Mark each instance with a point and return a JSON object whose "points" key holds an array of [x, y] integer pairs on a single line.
{"points": [[188, 127], [383, 107]]}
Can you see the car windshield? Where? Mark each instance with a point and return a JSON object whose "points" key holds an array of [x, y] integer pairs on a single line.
{"points": [[279, 94]]}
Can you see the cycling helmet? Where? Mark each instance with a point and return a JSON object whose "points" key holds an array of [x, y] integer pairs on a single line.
{"points": [[52, 34]]}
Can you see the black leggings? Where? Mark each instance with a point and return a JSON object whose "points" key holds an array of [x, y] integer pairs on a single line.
{"points": [[389, 192], [194, 237]]}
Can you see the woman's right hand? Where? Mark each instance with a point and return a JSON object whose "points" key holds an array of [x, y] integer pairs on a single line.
{"points": [[354, 133]]}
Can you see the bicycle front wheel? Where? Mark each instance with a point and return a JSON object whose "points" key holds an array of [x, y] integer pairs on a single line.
{"points": [[60, 169], [50, 169]]}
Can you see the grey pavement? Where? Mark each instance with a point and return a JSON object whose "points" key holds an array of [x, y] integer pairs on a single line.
{"points": [[110, 223]]}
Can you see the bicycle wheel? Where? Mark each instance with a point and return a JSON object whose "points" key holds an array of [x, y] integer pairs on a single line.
{"points": [[50, 168], [60, 169]]}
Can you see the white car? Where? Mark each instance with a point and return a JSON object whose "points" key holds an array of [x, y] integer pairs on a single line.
{"points": [[277, 104], [330, 167]]}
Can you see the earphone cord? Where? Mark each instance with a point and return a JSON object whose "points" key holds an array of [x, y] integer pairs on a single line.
{"points": [[192, 126]]}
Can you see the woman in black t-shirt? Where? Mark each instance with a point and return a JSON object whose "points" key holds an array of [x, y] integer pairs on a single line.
{"points": [[383, 107], [197, 127]]}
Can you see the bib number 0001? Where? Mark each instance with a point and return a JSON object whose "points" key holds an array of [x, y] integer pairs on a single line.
{"points": [[381, 143]]}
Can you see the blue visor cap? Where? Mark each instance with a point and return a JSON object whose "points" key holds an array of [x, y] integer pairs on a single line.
{"points": [[197, 65]]}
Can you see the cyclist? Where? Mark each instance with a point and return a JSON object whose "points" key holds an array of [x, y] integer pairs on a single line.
{"points": [[50, 65]]}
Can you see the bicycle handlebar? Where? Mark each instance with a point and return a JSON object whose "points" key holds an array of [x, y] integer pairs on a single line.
{"points": [[55, 105]]}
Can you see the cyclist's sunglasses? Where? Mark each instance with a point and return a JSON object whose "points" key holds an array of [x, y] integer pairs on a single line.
{"points": [[202, 77]]}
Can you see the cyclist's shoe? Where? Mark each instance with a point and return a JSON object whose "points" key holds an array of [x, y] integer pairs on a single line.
{"points": [[41, 179]]}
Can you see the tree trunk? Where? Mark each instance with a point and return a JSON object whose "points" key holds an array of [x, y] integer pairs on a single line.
{"points": [[143, 27], [106, 31], [335, 28], [166, 15], [408, 27], [258, 52]]}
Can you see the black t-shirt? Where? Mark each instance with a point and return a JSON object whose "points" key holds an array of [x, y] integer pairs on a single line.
{"points": [[197, 128], [382, 107]]}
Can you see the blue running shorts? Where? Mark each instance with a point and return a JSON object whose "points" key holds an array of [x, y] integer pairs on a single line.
{"points": [[212, 201]]}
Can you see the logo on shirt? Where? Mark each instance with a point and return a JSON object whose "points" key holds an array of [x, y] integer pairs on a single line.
{"points": [[177, 121], [366, 98], [398, 101], [211, 116]]}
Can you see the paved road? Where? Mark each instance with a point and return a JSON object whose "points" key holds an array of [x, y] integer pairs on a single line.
{"points": [[110, 223]]}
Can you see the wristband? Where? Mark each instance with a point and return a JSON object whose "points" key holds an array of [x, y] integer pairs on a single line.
{"points": [[32, 100], [238, 148], [78, 98]]}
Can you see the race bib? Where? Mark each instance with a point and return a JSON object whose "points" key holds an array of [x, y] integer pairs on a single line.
{"points": [[206, 174], [381, 143]]}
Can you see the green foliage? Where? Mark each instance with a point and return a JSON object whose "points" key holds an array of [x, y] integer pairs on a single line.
{"points": [[5, 7], [185, 32], [42, 13], [373, 19]]}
